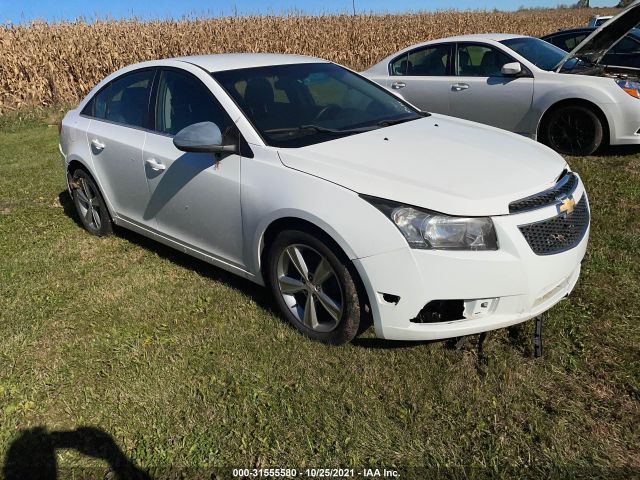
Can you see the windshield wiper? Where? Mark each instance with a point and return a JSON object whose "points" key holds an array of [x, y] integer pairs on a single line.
{"points": [[318, 128], [395, 121]]}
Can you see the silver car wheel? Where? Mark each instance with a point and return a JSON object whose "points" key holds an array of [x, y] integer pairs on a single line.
{"points": [[89, 204], [310, 288]]}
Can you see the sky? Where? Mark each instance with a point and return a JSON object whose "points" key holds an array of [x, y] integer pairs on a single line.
{"points": [[20, 11]]}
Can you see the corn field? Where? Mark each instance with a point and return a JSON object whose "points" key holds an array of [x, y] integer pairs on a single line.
{"points": [[51, 63]]}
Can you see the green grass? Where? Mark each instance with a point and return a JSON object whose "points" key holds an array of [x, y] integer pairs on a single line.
{"points": [[184, 366]]}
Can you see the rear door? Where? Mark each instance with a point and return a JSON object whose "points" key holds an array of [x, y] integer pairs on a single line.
{"points": [[423, 76], [195, 197], [116, 134], [481, 93]]}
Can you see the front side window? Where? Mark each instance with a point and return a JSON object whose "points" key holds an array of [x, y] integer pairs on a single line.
{"points": [[302, 104], [125, 100], [183, 100], [432, 61], [480, 61]]}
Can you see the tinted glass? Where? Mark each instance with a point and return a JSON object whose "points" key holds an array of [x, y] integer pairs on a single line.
{"points": [[628, 46], [542, 54], [570, 41], [282, 101], [125, 100], [429, 61], [183, 100], [480, 61]]}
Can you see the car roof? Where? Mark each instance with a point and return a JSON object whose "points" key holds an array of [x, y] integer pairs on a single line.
{"points": [[496, 37], [634, 32], [233, 61]]}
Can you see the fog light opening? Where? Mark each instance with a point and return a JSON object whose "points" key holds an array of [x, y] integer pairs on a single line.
{"points": [[389, 298], [441, 311]]}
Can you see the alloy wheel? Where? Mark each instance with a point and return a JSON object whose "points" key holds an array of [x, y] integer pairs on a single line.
{"points": [[89, 204], [571, 132], [310, 288]]}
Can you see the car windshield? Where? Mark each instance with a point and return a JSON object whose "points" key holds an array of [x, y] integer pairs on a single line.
{"points": [[303, 104], [542, 54]]}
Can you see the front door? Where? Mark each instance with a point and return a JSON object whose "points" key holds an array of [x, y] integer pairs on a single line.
{"points": [[195, 197], [481, 93]]}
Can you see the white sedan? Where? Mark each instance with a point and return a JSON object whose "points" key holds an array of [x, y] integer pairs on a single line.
{"points": [[525, 85], [346, 201]]}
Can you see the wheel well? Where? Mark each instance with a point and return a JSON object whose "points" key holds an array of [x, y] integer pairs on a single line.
{"points": [[74, 165], [293, 223], [581, 102]]}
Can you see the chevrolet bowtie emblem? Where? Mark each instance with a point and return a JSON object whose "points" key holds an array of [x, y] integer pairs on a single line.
{"points": [[567, 206]]}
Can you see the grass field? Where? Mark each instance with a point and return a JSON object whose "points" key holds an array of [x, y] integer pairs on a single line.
{"points": [[170, 363]]}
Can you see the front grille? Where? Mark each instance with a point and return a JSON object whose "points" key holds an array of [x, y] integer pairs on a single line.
{"points": [[560, 233], [564, 187]]}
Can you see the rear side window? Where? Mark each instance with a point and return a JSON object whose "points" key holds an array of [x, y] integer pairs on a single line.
{"points": [[183, 100], [569, 42], [125, 100], [430, 61]]}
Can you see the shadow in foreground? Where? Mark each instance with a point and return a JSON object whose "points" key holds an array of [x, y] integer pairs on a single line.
{"points": [[32, 455]]}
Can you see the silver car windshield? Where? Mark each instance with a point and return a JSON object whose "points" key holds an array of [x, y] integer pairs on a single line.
{"points": [[302, 104], [542, 54]]}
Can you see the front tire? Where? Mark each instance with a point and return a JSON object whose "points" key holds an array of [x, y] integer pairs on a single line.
{"points": [[90, 205], [313, 286], [573, 130]]}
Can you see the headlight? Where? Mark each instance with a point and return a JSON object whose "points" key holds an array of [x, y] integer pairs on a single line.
{"points": [[632, 88], [431, 230]]}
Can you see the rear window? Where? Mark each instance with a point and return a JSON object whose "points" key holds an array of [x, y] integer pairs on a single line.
{"points": [[125, 100]]}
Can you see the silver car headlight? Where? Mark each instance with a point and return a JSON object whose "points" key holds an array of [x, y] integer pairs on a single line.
{"points": [[431, 230]]}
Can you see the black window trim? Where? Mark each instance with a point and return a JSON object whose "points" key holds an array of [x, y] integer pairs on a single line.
{"points": [[119, 77], [526, 73], [244, 150], [450, 70]]}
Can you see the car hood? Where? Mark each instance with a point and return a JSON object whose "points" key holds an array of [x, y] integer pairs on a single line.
{"points": [[603, 38], [440, 163]]}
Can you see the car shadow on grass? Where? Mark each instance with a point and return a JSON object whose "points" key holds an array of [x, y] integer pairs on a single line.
{"points": [[259, 294], [33, 455], [618, 151]]}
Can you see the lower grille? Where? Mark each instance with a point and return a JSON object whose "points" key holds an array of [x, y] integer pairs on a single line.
{"points": [[560, 233]]}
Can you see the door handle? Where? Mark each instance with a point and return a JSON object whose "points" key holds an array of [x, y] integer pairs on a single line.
{"points": [[97, 144], [456, 87], [398, 85], [154, 164]]}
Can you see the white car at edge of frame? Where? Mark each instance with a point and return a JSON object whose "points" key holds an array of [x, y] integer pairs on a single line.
{"points": [[348, 203], [568, 101]]}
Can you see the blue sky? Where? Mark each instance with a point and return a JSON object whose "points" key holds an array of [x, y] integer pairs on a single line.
{"points": [[18, 11]]}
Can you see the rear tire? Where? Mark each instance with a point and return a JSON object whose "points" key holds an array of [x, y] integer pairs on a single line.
{"points": [[313, 286], [573, 130], [90, 204]]}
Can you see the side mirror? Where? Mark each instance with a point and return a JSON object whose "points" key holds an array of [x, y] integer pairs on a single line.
{"points": [[512, 69], [202, 137]]}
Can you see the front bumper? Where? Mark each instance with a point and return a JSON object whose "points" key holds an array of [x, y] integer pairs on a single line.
{"points": [[516, 283]]}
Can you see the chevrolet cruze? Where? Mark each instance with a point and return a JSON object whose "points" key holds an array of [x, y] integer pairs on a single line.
{"points": [[346, 201]]}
